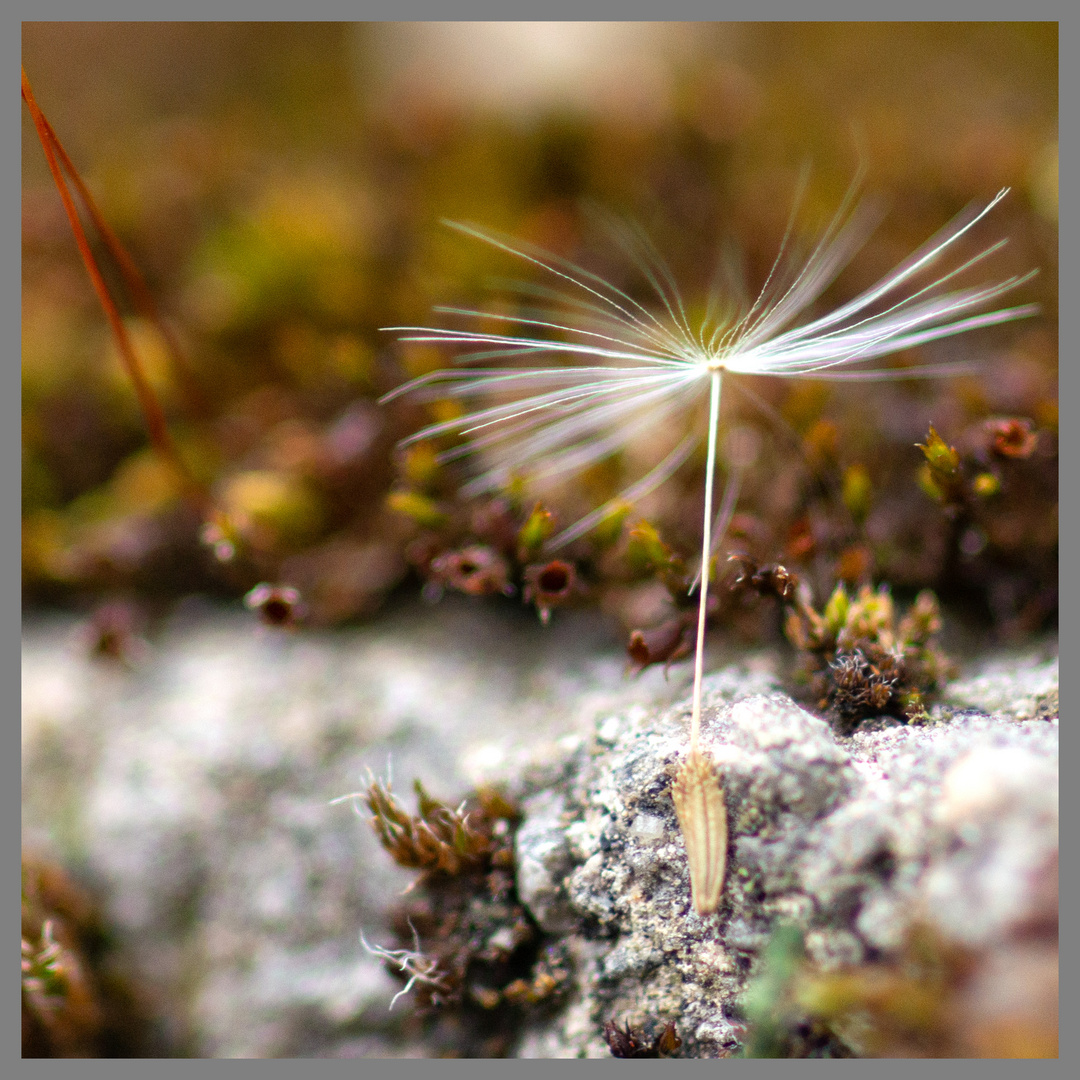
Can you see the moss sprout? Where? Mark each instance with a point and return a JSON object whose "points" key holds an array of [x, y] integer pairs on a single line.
{"points": [[630, 1041], [859, 660], [473, 958], [856, 658], [776, 1027]]}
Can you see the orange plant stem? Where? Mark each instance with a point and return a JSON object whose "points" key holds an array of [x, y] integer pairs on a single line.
{"points": [[156, 423], [133, 279]]}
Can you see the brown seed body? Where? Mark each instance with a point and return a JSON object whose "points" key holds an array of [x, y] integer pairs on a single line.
{"points": [[699, 804]]}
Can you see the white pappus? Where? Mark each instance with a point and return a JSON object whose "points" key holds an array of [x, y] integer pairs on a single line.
{"points": [[633, 368]]}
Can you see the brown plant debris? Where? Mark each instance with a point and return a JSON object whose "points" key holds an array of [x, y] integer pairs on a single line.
{"points": [[470, 953], [771, 580], [664, 644], [632, 1042], [440, 838], [74, 1005]]}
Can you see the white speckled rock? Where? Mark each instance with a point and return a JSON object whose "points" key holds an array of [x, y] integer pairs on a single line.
{"points": [[1015, 686], [198, 791], [850, 838]]}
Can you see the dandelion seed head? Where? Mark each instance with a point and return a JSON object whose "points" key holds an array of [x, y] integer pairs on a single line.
{"points": [[584, 369], [600, 370]]}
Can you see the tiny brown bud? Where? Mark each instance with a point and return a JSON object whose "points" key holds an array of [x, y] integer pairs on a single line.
{"points": [[549, 585], [669, 1041], [772, 580], [1012, 438], [276, 605], [476, 570], [663, 644]]}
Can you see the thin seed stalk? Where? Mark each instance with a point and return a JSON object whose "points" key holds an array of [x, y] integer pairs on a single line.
{"points": [[696, 791], [706, 553]]}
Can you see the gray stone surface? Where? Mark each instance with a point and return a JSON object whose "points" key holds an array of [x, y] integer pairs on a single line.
{"points": [[198, 791], [850, 838], [1020, 686]]}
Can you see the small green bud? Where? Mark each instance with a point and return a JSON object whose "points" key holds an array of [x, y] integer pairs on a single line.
{"points": [[940, 456], [610, 527], [836, 610], [534, 532]]}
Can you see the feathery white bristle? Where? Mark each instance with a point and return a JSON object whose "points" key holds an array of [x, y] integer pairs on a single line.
{"points": [[640, 366]]}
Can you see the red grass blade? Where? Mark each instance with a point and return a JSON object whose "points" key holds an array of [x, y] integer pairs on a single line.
{"points": [[156, 423]]}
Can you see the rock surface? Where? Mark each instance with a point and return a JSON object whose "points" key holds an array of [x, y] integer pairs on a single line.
{"points": [[198, 793], [849, 838]]}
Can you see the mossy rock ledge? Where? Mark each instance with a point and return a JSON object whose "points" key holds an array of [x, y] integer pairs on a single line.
{"points": [[194, 793]]}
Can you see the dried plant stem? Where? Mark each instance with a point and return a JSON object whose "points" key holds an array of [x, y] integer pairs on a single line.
{"points": [[156, 423], [134, 282], [706, 554]]}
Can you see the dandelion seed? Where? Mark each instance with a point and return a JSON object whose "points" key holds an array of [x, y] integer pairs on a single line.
{"points": [[699, 806], [635, 368]]}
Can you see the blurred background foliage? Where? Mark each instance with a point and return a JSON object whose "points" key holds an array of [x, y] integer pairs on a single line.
{"points": [[281, 186]]}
